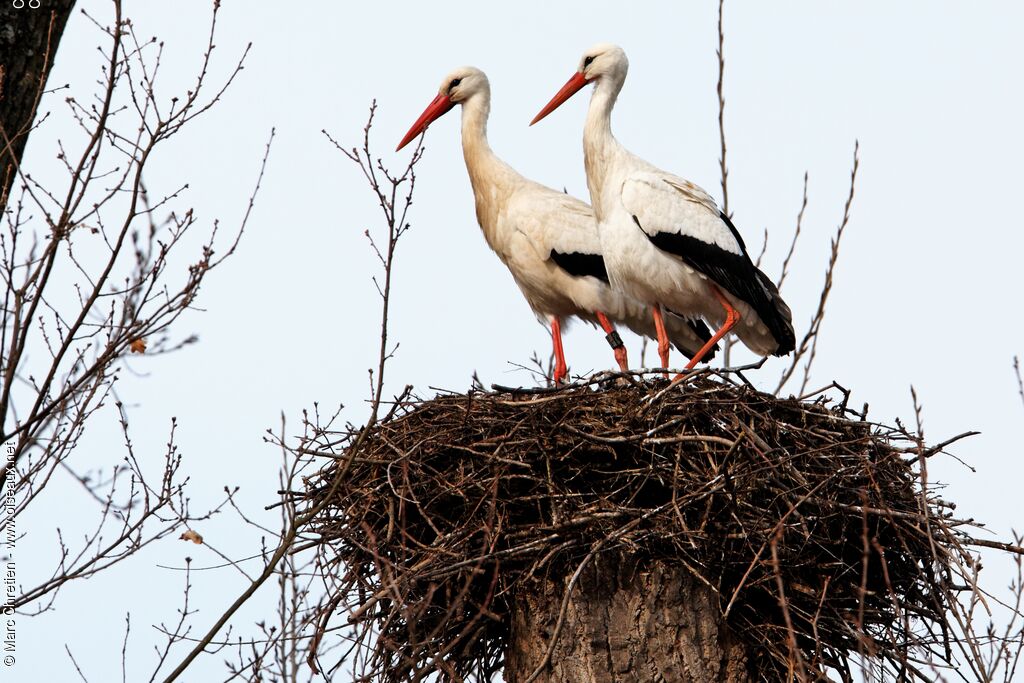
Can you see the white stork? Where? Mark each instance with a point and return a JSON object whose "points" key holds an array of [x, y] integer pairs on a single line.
{"points": [[664, 240], [546, 238]]}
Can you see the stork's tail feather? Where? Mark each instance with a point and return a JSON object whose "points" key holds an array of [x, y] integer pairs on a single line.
{"points": [[683, 341], [779, 319]]}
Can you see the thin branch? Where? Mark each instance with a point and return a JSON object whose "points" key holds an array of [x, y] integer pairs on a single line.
{"points": [[808, 346], [796, 236]]}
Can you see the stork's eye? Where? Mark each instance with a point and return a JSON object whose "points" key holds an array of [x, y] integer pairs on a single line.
{"points": [[454, 83], [587, 61]]}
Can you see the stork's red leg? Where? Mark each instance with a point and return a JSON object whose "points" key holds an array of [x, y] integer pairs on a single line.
{"points": [[615, 340], [732, 316], [663, 343], [556, 340]]}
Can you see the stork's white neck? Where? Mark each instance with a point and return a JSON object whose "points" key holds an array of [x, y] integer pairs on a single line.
{"points": [[599, 145], [488, 174], [475, 111]]}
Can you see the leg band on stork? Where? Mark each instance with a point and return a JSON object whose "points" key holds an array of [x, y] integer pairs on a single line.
{"points": [[615, 341]]}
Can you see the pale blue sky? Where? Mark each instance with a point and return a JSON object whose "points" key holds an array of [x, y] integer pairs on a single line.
{"points": [[926, 292]]}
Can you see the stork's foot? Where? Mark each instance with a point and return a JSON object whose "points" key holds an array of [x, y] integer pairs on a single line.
{"points": [[663, 351], [663, 355], [622, 359], [560, 370], [663, 343]]}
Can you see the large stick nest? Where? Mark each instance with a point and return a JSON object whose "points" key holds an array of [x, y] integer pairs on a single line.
{"points": [[808, 522]]}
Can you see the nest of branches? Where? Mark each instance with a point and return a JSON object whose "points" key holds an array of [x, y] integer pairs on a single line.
{"points": [[810, 523]]}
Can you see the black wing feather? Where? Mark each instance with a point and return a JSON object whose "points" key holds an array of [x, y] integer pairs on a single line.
{"points": [[736, 274], [581, 265]]}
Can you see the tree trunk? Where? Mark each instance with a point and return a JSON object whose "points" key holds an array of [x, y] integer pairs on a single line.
{"points": [[625, 621], [28, 41]]}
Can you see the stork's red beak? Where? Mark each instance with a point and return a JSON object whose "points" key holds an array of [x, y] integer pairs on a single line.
{"points": [[435, 110], [573, 86]]}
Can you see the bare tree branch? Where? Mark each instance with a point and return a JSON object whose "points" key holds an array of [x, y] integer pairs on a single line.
{"points": [[808, 346], [394, 193]]}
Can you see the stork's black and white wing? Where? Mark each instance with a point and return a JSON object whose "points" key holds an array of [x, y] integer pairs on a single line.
{"points": [[682, 220]]}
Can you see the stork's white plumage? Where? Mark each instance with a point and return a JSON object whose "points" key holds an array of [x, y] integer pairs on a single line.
{"points": [[664, 240], [547, 239]]}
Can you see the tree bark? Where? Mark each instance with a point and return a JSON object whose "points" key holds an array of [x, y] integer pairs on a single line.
{"points": [[625, 621], [28, 41]]}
